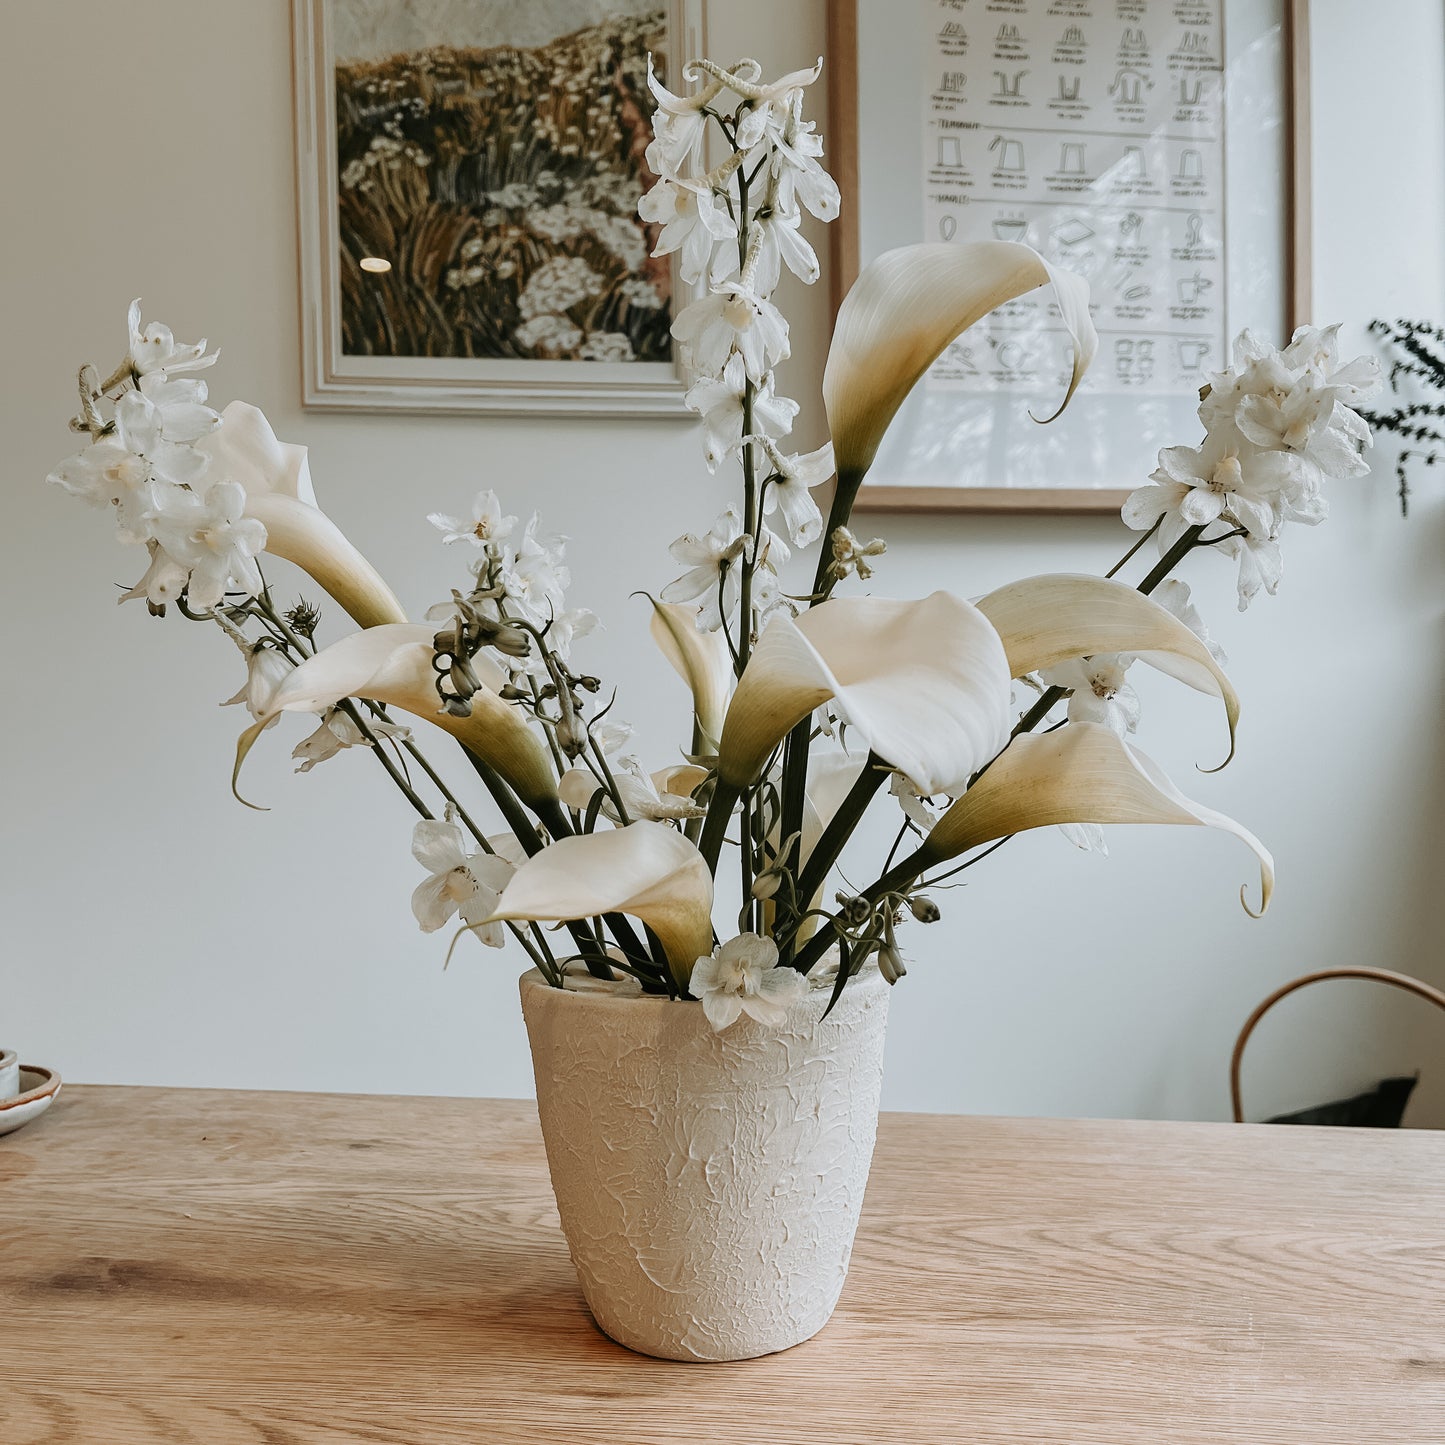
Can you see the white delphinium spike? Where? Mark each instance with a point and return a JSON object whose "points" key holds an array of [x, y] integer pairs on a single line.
{"points": [[714, 555], [1277, 423]]}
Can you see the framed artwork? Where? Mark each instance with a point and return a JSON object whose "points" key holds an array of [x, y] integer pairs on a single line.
{"points": [[1159, 148], [468, 175]]}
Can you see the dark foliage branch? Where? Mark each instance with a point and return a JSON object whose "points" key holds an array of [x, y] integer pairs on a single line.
{"points": [[1414, 353]]}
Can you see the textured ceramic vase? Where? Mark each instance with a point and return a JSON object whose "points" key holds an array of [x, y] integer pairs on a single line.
{"points": [[709, 1183]]}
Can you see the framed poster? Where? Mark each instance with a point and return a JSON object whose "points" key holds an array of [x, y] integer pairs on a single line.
{"points": [[468, 176], [1159, 148]]}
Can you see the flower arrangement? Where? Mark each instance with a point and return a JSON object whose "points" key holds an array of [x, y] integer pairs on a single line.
{"points": [[810, 698]]}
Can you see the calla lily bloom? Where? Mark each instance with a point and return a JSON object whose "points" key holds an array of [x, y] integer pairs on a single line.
{"points": [[1083, 773], [392, 665], [648, 870], [1058, 617], [924, 684], [901, 313], [277, 481], [702, 661]]}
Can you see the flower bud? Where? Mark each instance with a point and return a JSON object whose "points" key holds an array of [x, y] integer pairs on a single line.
{"points": [[571, 736], [925, 910], [890, 963], [856, 911], [766, 885]]}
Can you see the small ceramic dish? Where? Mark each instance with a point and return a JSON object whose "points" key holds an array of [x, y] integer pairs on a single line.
{"points": [[37, 1088], [9, 1074]]}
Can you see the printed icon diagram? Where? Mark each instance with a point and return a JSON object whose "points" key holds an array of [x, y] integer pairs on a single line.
{"points": [[1191, 91], [953, 82], [1128, 87], [1068, 87], [1192, 353], [1010, 154], [1137, 293], [1072, 36], [947, 228], [1133, 361], [952, 30], [1132, 42], [1010, 228], [1011, 356], [1008, 34], [1008, 85], [1194, 42], [1191, 166], [1073, 232], [1194, 230], [960, 358], [950, 152], [1192, 288], [1071, 158], [1131, 223]]}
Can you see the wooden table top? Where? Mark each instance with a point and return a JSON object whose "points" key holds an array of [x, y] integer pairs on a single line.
{"points": [[290, 1269]]}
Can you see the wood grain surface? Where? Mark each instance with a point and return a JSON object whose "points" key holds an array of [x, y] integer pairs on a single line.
{"points": [[288, 1269]]}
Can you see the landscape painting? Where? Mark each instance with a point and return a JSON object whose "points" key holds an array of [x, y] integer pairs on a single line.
{"points": [[478, 167]]}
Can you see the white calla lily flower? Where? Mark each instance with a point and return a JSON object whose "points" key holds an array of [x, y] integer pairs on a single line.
{"points": [[392, 665], [1083, 773], [924, 684], [648, 870], [277, 482], [701, 659], [905, 308], [1061, 617]]}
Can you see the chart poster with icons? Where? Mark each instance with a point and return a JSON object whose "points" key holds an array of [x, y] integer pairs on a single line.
{"points": [[1092, 130]]}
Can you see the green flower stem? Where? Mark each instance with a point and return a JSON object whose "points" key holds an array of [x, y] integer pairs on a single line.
{"points": [[840, 828], [715, 825]]}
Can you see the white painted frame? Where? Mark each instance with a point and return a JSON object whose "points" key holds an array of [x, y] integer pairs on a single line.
{"points": [[333, 381]]}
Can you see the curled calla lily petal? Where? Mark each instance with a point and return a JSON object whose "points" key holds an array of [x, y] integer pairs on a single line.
{"points": [[1047, 620], [393, 665], [904, 310], [701, 660], [924, 684], [277, 480], [648, 870], [1083, 773]]}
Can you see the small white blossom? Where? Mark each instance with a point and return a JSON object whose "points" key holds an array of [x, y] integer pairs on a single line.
{"points": [[155, 349], [467, 884], [692, 220], [217, 541], [733, 317], [1098, 691], [791, 492], [486, 522], [719, 401], [266, 669], [741, 977], [338, 731]]}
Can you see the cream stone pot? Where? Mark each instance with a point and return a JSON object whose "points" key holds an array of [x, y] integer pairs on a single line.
{"points": [[709, 1183]]}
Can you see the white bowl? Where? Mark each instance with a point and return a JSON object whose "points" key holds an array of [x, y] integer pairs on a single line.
{"points": [[9, 1074], [38, 1087]]}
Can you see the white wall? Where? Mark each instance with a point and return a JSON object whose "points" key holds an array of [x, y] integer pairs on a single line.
{"points": [[157, 932]]}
